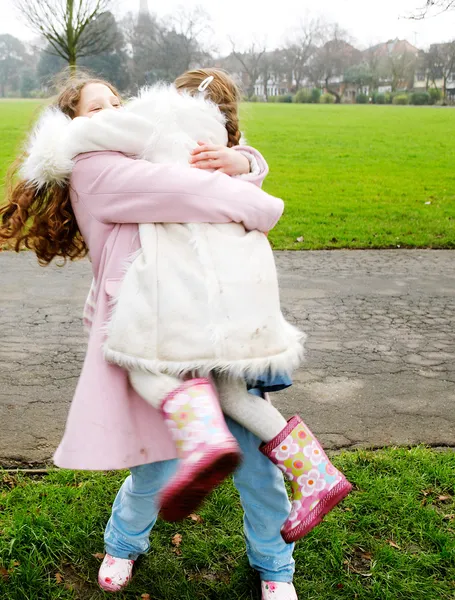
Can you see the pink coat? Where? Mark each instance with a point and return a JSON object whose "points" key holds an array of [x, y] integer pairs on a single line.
{"points": [[109, 426]]}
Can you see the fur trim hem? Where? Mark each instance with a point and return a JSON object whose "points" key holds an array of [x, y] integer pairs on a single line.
{"points": [[250, 369]]}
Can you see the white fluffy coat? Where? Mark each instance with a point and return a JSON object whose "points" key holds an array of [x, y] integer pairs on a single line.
{"points": [[197, 296]]}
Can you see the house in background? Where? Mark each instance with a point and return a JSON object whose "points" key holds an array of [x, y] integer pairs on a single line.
{"points": [[385, 67], [395, 65], [277, 85], [430, 74]]}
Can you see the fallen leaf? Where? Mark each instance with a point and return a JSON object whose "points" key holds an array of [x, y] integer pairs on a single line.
{"points": [[16, 563], [357, 572], [300, 239], [9, 481], [145, 597], [359, 562], [444, 498], [177, 540], [4, 573], [196, 518], [392, 543], [340, 586], [98, 555], [59, 578]]}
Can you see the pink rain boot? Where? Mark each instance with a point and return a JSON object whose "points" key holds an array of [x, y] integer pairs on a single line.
{"points": [[208, 451], [317, 486]]}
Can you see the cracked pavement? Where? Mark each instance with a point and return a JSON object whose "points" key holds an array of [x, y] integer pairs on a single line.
{"points": [[380, 362]]}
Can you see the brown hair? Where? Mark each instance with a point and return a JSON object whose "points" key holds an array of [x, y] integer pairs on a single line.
{"points": [[222, 91], [43, 219]]}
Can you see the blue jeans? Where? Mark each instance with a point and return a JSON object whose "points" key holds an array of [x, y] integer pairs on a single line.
{"points": [[262, 494]]}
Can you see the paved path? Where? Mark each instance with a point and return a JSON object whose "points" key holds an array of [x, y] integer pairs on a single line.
{"points": [[380, 363]]}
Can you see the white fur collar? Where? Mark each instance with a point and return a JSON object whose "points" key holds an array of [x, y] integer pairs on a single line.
{"points": [[160, 125]]}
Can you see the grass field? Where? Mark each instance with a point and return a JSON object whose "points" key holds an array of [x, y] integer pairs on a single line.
{"points": [[16, 117], [392, 539], [351, 176]]}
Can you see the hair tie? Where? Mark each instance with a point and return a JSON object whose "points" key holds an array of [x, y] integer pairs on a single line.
{"points": [[205, 84]]}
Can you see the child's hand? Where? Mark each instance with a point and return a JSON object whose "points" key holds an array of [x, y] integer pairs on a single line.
{"points": [[220, 158]]}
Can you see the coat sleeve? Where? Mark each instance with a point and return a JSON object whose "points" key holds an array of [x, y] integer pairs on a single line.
{"points": [[259, 168], [118, 189]]}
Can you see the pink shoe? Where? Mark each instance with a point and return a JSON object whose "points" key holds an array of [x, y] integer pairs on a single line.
{"points": [[208, 451], [317, 486], [115, 573], [278, 590]]}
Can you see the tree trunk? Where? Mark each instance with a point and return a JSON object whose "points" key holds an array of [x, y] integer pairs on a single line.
{"points": [[266, 80], [336, 94], [72, 65], [72, 49]]}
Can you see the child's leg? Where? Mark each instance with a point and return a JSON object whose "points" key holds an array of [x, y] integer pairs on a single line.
{"points": [[134, 513], [153, 388], [251, 411], [208, 451], [317, 486], [135, 509], [263, 498], [266, 507]]}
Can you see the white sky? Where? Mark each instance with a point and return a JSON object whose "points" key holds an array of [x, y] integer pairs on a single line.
{"points": [[368, 21]]}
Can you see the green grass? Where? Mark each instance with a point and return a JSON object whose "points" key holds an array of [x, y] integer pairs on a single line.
{"points": [[358, 176], [392, 539], [16, 118], [351, 176]]}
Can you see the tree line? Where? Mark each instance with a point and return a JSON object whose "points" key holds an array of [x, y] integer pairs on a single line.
{"points": [[142, 49]]}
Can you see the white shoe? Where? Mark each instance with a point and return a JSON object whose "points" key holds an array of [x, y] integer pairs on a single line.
{"points": [[115, 573], [278, 590]]}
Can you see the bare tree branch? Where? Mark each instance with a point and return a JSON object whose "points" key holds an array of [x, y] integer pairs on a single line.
{"points": [[439, 5], [440, 64], [251, 61], [301, 46], [73, 28]]}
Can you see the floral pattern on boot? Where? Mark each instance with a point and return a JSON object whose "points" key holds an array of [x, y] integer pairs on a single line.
{"points": [[317, 486], [207, 449], [192, 420]]}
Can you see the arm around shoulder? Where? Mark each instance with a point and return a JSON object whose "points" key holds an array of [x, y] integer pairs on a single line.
{"points": [[118, 189]]}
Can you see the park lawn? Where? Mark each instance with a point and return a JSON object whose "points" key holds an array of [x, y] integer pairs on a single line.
{"points": [[16, 118], [358, 176], [351, 176], [393, 538]]}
